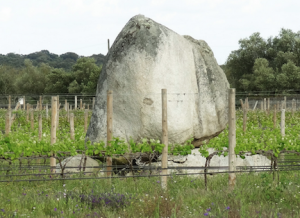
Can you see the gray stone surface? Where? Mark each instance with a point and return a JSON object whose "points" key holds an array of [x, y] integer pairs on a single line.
{"points": [[195, 159], [145, 58], [75, 161]]}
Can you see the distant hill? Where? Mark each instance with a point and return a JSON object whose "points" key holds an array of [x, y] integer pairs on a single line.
{"points": [[65, 61]]}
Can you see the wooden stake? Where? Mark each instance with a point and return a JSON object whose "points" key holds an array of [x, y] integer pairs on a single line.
{"points": [[75, 107], [7, 122], [93, 103], [41, 104], [255, 105], [72, 131], [86, 113], [32, 119], [282, 124], [265, 104], [262, 106], [57, 111], [244, 119], [164, 161], [40, 127], [54, 116], [80, 104], [66, 105], [68, 111], [242, 105], [274, 116], [109, 128], [27, 115], [232, 138]]}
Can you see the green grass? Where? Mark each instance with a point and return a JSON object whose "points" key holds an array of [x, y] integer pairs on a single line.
{"points": [[254, 196]]}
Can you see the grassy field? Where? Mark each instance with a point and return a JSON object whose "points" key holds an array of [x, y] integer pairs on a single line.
{"points": [[255, 195]]}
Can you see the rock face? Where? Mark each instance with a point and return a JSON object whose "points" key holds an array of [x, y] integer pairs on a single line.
{"points": [[76, 161], [145, 58]]}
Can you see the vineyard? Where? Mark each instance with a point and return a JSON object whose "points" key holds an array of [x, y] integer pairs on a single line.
{"points": [[26, 149]]}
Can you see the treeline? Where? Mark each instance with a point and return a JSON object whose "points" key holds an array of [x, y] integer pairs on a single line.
{"points": [[64, 61], [43, 78], [271, 64]]}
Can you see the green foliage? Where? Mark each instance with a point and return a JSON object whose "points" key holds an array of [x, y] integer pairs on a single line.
{"points": [[265, 65]]}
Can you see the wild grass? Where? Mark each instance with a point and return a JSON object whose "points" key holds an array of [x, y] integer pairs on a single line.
{"points": [[255, 195]]}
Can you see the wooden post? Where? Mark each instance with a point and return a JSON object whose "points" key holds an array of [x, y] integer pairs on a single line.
{"points": [[9, 102], [32, 119], [40, 127], [47, 114], [54, 115], [66, 105], [109, 128], [7, 122], [24, 103], [164, 161], [247, 103], [255, 105], [274, 116], [285, 102], [265, 104], [268, 105], [68, 111], [293, 107], [83, 108], [80, 104], [75, 107], [232, 138], [244, 119], [262, 106], [282, 124], [72, 131], [93, 103], [57, 111], [241, 100], [86, 113], [41, 104], [27, 115]]}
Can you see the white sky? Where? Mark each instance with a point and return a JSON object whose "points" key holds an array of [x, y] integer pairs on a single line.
{"points": [[83, 26]]}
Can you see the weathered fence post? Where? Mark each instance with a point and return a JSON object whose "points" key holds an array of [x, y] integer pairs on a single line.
{"points": [[54, 116], [27, 115], [242, 105], [164, 161], [109, 128], [80, 104], [274, 116], [57, 111], [86, 113], [32, 119], [244, 119], [282, 124], [40, 126], [232, 138], [255, 105], [72, 131], [41, 104], [265, 104], [93, 103], [261, 105], [7, 122], [75, 107]]}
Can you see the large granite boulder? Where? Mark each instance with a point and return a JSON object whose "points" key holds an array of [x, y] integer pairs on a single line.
{"points": [[145, 58]]}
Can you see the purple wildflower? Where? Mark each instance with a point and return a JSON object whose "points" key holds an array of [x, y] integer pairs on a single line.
{"points": [[158, 181], [208, 209], [205, 214], [3, 210], [55, 209], [62, 212], [227, 208]]}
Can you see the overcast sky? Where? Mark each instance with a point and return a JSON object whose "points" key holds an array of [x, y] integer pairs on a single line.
{"points": [[83, 26]]}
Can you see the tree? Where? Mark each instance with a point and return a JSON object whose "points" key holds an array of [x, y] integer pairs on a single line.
{"points": [[86, 74]]}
